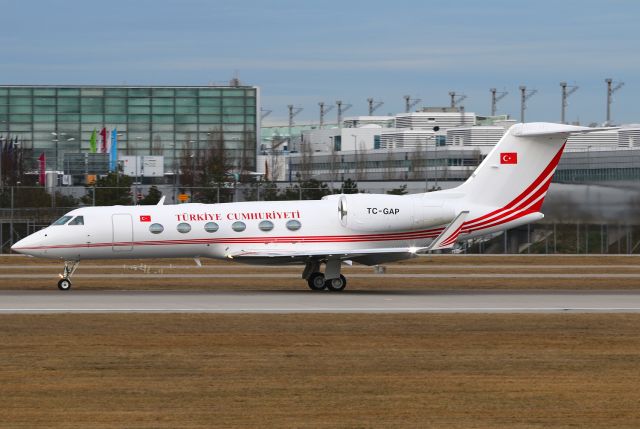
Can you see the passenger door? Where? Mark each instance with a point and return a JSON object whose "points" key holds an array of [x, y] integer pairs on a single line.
{"points": [[122, 232]]}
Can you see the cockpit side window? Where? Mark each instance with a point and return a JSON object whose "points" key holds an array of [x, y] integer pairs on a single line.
{"points": [[78, 220], [62, 220]]}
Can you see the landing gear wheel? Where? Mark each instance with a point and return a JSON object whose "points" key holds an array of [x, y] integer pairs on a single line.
{"points": [[68, 270], [336, 285], [64, 284], [316, 281]]}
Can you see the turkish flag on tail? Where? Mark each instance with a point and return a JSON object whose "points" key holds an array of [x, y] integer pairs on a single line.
{"points": [[509, 158]]}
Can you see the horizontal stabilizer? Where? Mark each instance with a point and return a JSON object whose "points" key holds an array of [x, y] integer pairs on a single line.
{"points": [[548, 128], [448, 237]]}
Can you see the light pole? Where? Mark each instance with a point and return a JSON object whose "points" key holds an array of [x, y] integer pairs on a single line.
{"points": [[1, 178], [194, 153], [435, 186], [70, 139], [435, 141], [56, 139], [426, 161], [175, 174], [357, 160], [588, 161]]}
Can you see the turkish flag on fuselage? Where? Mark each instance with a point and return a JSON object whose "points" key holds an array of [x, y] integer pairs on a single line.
{"points": [[145, 218], [509, 158]]}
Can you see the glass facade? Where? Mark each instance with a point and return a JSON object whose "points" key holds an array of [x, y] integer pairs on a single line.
{"points": [[149, 120]]}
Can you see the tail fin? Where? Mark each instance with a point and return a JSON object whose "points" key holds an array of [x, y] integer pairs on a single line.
{"points": [[519, 169]]}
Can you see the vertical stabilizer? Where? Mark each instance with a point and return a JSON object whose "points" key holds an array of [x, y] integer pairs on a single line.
{"points": [[519, 169]]}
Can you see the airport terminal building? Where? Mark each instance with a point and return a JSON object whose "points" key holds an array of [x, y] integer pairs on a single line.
{"points": [[171, 122]]}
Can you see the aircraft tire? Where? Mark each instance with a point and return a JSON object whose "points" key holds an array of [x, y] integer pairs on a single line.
{"points": [[316, 281], [336, 285], [64, 284]]}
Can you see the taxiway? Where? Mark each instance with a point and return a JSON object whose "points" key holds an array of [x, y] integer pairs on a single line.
{"points": [[12, 302]]}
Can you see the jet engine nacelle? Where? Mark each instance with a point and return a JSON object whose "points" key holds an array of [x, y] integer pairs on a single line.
{"points": [[371, 213]]}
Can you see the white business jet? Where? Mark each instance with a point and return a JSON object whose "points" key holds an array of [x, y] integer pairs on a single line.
{"points": [[505, 191]]}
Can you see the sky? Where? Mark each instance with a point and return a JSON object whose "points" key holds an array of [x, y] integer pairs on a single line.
{"points": [[303, 52]]}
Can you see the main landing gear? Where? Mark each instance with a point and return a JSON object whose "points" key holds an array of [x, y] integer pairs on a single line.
{"points": [[331, 279], [68, 270]]}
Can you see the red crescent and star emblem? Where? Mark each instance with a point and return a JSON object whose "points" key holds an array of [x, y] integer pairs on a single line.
{"points": [[509, 158]]}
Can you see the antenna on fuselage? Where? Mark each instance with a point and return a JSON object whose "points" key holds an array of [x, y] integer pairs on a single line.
{"points": [[161, 202]]}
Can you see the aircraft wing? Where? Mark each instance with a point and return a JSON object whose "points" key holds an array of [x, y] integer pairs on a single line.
{"points": [[445, 240], [361, 256]]}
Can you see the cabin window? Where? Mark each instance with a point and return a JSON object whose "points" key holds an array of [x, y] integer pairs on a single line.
{"points": [[265, 225], [211, 227], [79, 220], [184, 227], [62, 220], [238, 226], [156, 228], [294, 225]]}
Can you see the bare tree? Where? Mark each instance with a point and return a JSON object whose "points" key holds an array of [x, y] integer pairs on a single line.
{"points": [[388, 173], [275, 161], [156, 145], [306, 160], [214, 169], [188, 160], [416, 161], [360, 162], [333, 163], [14, 156]]}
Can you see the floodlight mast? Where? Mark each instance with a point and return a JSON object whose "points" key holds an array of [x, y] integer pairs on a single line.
{"points": [[524, 96], [323, 111], [410, 103], [495, 97], [565, 95], [373, 105], [456, 98], [341, 109], [610, 91], [264, 113], [293, 111]]}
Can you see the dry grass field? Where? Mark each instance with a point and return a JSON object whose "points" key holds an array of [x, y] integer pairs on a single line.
{"points": [[320, 371]]}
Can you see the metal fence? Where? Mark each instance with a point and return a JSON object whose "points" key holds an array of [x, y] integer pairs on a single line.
{"points": [[24, 210]]}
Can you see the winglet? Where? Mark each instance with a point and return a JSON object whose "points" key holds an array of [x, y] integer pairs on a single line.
{"points": [[161, 202], [448, 237]]}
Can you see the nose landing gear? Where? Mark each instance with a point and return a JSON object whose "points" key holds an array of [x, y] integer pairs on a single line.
{"points": [[68, 270]]}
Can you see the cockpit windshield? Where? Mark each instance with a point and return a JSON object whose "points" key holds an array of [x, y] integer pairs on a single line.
{"points": [[62, 220], [79, 220]]}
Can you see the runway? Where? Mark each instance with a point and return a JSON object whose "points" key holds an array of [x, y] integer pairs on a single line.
{"points": [[356, 276], [14, 302]]}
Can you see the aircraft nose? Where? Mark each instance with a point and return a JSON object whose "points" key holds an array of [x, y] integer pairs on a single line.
{"points": [[24, 246], [17, 246]]}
